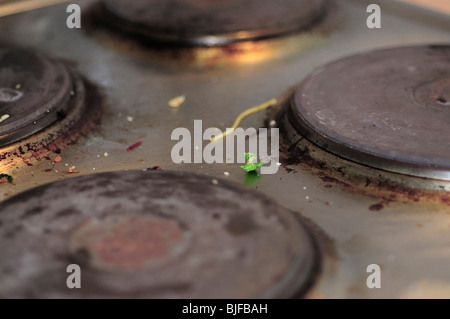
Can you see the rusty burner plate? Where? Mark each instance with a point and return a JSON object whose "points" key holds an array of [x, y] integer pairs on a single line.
{"points": [[44, 105], [154, 235], [388, 109], [211, 22], [35, 91]]}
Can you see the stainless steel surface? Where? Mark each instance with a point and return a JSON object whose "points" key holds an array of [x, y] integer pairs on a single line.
{"points": [[408, 236]]}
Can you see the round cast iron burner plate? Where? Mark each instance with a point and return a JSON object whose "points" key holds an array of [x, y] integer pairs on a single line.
{"points": [[212, 22], [153, 235], [35, 91], [388, 109]]}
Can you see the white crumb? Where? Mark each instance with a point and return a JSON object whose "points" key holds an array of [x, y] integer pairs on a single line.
{"points": [[176, 102], [4, 117]]}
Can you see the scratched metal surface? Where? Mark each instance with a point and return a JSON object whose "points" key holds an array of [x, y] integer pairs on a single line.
{"points": [[409, 239]]}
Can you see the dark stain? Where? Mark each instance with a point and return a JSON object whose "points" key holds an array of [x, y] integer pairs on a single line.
{"points": [[26, 196], [379, 206], [376, 207], [439, 47], [32, 212], [240, 224], [301, 155], [242, 254], [13, 232], [21, 61], [82, 257], [67, 212], [103, 183], [329, 179], [154, 168], [446, 200], [289, 170]]}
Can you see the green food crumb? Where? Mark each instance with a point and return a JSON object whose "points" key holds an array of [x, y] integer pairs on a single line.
{"points": [[251, 166], [9, 177]]}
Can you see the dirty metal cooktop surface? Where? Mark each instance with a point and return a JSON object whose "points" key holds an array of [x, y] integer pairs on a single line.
{"points": [[403, 227]]}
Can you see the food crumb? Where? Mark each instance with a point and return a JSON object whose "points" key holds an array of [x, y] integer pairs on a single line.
{"points": [[58, 159], [130, 119], [135, 145], [4, 117], [226, 174], [215, 181], [72, 170], [154, 168], [105, 154], [176, 102]]}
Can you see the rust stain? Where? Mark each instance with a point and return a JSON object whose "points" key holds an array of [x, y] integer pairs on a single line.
{"points": [[376, 207], [134, 242], [131, 243], [329, 179], [379, 206]]}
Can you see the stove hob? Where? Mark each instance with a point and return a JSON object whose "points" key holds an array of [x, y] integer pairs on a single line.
{"points": [[44, 104], [153, 234], [35, 92], [211, 22], [388, 109]]}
